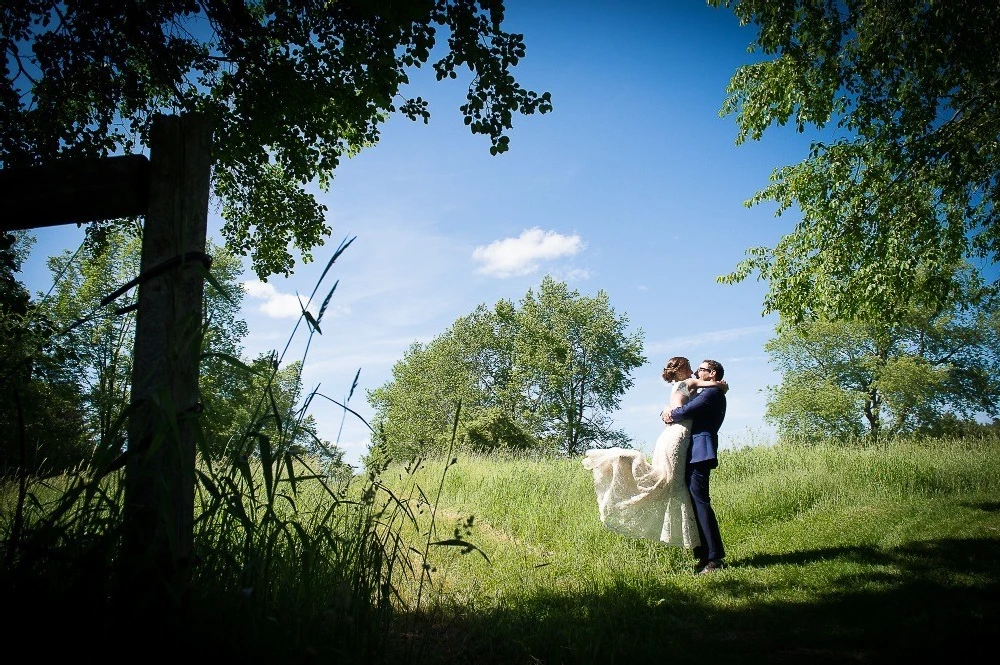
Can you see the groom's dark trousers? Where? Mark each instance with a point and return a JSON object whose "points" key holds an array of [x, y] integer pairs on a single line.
{"points": [[708, 526], [707, 411]]}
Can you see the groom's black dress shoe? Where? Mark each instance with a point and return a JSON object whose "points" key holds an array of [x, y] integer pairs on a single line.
{"points": [[700, 565], [711, 567]]}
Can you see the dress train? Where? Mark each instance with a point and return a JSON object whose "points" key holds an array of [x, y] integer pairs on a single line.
{"points": [[647, 499]]}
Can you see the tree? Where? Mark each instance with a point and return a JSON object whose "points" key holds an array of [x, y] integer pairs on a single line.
{"points": [[219, 380], [909, 188], [543, 374], [473, 363], [98, 338], [578, 359], [846, 379], [414, 411], [41, 414], [291, 87], [262, 403], [489, 340]]}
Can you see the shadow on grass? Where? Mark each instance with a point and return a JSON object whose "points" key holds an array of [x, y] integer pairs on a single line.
{"points": [[988, 506], [915, 558], [925, 599]]}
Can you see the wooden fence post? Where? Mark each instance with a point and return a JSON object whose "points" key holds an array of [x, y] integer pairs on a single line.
{"points": [[160, 471]]}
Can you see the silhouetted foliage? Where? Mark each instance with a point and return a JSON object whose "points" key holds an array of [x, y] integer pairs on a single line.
{"points": [[291, 87]]}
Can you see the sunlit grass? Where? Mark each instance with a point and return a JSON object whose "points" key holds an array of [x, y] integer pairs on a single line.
{"points": [[829, 547]]}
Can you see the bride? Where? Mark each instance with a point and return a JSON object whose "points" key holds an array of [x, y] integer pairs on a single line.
{"points": [[651, 500]]}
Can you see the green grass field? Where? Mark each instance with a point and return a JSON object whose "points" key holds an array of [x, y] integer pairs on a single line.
{"points": [[836, 555]]}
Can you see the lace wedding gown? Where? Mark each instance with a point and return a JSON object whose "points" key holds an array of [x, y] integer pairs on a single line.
{"points": [[647, 500]]}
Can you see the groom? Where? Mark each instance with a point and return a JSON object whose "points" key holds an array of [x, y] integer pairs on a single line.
{"points": [[706, 411]]}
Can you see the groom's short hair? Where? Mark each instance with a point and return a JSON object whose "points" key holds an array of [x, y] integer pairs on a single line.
{"points": [[716, 366]]}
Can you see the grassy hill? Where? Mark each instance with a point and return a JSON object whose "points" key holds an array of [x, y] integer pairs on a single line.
{"points": [[837, 554]]}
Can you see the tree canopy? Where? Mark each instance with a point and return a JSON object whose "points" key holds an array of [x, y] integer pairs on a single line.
{"points": [[907, 189], [291, 87], [848, 379], [66, 381], [41, 416], [545, 374]]}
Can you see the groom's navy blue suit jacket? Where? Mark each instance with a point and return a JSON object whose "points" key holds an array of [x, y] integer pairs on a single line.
{"points": [[706, 411]]}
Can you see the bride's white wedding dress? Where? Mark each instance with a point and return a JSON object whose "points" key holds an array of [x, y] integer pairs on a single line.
{"points": [[648, 500]]}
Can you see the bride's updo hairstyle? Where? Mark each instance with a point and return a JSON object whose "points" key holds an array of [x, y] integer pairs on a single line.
{"points": [[677, 368]]}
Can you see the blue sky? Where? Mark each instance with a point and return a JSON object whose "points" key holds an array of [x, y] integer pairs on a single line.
{"points": [[633, 185]]}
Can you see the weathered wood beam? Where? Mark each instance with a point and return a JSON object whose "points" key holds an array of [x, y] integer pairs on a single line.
{"points": [[160, 471], [73, 191]]}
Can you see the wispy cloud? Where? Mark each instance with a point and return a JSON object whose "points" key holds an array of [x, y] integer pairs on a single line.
{"points": [[521, 255], [577, 274], [276, 305], [400, 273], [708, 338]]}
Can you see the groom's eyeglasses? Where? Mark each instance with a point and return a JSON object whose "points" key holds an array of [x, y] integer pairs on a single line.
{"points": [[703, 369]]}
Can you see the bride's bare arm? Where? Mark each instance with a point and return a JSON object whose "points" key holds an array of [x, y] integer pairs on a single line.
{"points": [[693, 383]]}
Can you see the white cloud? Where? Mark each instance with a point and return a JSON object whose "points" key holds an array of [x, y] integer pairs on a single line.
{"points": [[276, 305], [520, 256]]}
